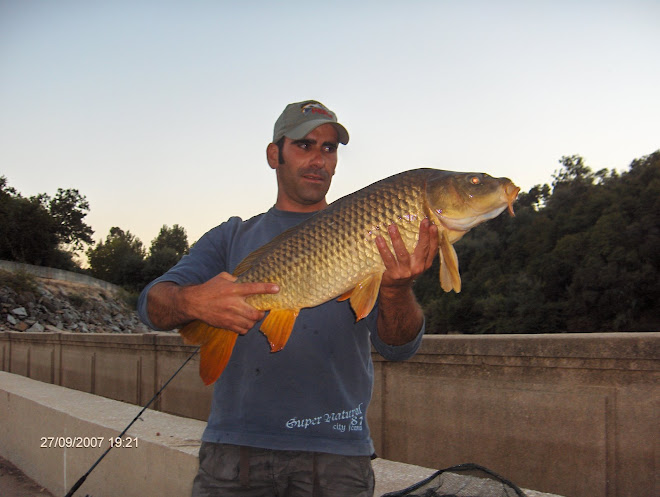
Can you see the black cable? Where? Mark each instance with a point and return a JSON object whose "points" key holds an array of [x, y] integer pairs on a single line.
{"points": [[84, 477]]}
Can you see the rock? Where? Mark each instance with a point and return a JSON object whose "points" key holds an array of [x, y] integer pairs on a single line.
{"points": [[36, 328], [20, 312], [70, 307], [21, 326]]}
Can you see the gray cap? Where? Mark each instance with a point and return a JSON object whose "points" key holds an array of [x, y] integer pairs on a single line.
{"points": [[302, 117]]}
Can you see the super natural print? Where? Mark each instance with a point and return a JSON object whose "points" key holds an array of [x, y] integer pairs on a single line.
{"points": [[333, 254]]}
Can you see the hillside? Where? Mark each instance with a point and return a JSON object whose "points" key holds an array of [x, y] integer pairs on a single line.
{"points": [[29, 303]]}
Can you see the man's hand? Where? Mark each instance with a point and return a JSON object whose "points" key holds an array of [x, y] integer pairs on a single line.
{"points": [[402, 268], [219, 302], [399, 315]]}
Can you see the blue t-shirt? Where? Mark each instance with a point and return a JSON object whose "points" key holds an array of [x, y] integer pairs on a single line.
{"points": [[312, 395]]}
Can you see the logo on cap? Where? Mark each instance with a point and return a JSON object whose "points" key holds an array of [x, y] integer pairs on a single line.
{"points": [[314, 108]]}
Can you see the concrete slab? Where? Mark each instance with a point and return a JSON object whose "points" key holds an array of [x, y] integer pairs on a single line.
{"points": [[160, 460]]}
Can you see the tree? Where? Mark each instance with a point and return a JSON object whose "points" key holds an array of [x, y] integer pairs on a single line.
{"points": [[174, 238], [581, 256], [68, 208], [40, 230], [166, 250], [27, 231], [120, 260]]}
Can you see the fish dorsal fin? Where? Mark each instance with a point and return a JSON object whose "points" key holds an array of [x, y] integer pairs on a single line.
{"points": [[277, 327], [256, 254], [216, 348], [450, 277], [363, 296]]}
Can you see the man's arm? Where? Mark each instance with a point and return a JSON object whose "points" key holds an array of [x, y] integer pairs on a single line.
{"points": [[400, 316], [220, 302]]}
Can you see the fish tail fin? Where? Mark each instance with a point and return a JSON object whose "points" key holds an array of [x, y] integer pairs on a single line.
{"points": [[277, 327], [216, 348]]}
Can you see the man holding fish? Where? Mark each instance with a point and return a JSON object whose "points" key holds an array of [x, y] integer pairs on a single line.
{"points": [[294, 422]]}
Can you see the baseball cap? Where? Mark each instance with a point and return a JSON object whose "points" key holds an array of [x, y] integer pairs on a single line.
{"points": [[300, 118]]}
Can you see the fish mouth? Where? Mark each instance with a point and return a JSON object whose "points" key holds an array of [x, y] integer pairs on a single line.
{"points": [[511, 192]]}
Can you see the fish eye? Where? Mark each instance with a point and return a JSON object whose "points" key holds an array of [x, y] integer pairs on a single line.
{"points": [[475, 180]]}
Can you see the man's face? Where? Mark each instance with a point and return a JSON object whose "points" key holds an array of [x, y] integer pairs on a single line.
{"points": [[304, 177]]}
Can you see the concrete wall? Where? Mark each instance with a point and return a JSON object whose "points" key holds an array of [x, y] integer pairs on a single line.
{"points": [[130, 368], [48, 432], [57, 274], [575, 414], [570, 414], [161, 459]]}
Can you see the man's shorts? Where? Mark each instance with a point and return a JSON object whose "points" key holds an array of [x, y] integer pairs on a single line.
{"points": [[230, 470]]}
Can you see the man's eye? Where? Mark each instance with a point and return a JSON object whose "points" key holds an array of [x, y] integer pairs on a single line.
{"points": [[330, 149]]}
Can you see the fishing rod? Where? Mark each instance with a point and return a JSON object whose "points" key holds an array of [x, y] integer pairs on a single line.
{"points": [[84, 477]]}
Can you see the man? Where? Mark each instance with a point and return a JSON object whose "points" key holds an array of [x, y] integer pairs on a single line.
{"points": [[291, 423]]}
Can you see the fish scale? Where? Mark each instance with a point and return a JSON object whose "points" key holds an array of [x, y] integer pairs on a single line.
{"points": [[333, 254], [330, 262]]}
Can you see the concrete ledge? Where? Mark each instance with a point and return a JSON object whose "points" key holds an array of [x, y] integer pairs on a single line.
{"points": [[572, 414], [162, 459], [164, 462]]}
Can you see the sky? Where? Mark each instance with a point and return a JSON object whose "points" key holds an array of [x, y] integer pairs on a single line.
{"points": [[159, 112]]}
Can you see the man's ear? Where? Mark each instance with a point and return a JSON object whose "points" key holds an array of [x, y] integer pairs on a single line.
{"points": [[273, 155]]}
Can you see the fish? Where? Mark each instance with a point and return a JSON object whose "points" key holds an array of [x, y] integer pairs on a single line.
{"points": [[333, 254]]}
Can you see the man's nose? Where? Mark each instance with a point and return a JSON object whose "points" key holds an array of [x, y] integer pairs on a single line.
{"points": [[317, 160]]}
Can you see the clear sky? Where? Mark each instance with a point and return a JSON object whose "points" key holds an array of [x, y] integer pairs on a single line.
{"points": [[159, 112]]}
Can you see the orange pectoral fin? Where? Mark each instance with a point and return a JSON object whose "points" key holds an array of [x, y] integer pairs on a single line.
{"points": [[277, 327], [450, 277], [216, 348], [364, 295]]}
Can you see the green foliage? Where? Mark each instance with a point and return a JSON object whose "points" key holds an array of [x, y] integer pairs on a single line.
{"points": [[122, 260], [40, 230], [581, 256], [166, 250], [174, 239], [68, 208]]}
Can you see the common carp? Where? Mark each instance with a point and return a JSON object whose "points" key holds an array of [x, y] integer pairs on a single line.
{"points": [[333, 253]]}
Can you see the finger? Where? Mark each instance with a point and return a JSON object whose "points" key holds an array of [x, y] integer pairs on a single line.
{"points": [[248, 314], [245, 318], [427, 247], [385, 253], [399, 247], [226, 276], [420, 254], [242, 326], [256, 288], [434, 245]]}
